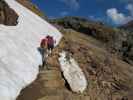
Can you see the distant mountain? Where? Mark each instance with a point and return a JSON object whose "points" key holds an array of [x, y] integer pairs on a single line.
{"points": [[115, 40], [89, 27], [128, 26]]}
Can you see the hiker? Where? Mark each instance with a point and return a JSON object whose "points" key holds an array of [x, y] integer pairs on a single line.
{"points": [[51, 42], [46, 47], [44, 51]]}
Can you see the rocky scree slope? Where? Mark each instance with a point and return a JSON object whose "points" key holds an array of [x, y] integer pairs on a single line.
{"points": [[117, 41]]}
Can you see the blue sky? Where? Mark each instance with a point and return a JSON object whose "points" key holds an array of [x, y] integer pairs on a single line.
{"points": [[110, 11]]}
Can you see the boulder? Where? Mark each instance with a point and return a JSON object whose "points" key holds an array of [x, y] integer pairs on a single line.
{"points": [[72, 73], [7, 15]]}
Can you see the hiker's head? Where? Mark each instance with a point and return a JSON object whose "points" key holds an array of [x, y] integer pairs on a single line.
{"points": [[47, 36]]}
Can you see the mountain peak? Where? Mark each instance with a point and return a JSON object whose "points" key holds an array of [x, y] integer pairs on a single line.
{"points": [[128, 26]]}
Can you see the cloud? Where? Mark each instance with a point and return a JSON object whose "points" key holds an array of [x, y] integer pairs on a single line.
{"points": [[130, 8], [64, 13], [120, 18], [116, 17], [73, 4]]}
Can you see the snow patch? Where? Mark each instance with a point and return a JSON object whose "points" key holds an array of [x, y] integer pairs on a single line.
{"points": [[19, 57], [72, 73]]}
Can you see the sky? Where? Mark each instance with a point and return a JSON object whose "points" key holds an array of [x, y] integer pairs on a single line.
{"points": [[114, 12]]}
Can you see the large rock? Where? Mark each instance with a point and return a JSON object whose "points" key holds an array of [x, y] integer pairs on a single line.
{"points": [[72, 73], [7, 15]]}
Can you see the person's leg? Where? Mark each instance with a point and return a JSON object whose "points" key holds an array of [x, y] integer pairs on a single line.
{"points": [[41, 51], [44, 63], [43, 57], [47, 66], [51, 47]]}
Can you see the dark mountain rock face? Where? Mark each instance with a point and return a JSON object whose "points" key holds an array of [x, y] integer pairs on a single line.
{"points": [[95, 29], [7, 15], [116, 40], [128, 26]]}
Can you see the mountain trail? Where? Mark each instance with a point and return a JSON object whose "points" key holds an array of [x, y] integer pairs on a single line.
{"points": [[50, 85]]}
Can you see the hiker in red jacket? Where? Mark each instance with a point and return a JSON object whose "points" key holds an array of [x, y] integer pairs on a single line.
{"points": [[44, 51], [46, 47], [51, 42], [44, 43]]}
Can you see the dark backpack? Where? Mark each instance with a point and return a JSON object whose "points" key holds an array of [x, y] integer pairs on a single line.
{"points": [[50, 40]]}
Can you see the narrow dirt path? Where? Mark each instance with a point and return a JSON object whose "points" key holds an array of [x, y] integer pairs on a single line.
{"points": [[50, 85]]}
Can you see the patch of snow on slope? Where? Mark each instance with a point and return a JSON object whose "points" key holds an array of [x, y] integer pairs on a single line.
{"points": [[73, 74], [19, 58]]}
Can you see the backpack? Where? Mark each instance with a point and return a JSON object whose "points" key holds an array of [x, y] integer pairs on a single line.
{"points": [[43, 43], [50, 40]]}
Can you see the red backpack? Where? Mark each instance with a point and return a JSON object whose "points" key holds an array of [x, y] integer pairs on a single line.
{"points": [[43, 42]]}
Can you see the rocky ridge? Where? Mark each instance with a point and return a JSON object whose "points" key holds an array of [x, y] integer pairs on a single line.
{"points": [[128, 26], [116, 40], [7, 15]]}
